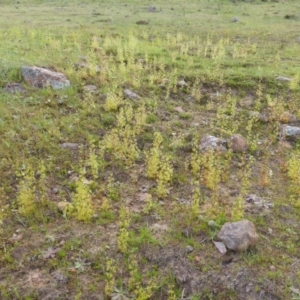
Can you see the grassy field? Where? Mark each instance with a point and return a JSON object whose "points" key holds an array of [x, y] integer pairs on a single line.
{"points": [[131, 209]]}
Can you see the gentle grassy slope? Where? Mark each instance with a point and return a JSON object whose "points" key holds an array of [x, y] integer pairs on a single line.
{"points": [[137, 190]]}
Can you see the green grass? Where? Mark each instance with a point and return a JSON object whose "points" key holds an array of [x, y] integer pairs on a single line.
{"points": [[230, 69]]}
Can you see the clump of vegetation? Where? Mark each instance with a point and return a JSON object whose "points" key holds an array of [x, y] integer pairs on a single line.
{"points": [[159, 166], [83, 208]]}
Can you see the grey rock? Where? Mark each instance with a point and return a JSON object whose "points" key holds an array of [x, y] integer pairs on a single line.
{"points": [[210, 142], [235, 20], [14, 88], [189, 249], [221, 247], [295, 291], [60, 277], [211, 223], [290, 132], [103, 97], [238, 236], [179, 109], [152, 9], [70, 146], [258, 201], [283, 78], [238, 143], [182, 83], [131, 95], [43, 78], [55, 191]]}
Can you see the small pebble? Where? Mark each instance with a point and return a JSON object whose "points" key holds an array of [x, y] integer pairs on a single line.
{"points": [[189, 249], [211, 223], [55, 190]]}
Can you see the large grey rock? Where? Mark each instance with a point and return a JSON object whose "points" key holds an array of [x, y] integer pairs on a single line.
{"points": [[238, 236], [43, 78], [210, 142], [238, 143], [290, 132]]}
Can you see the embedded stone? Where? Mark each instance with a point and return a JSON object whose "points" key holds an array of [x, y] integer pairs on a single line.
{"points": [[210, 142], [131, 95], [283, 78], [43, 78], [70, 146], [290, 132], [238, 143], [238, 236], [14, 88]]}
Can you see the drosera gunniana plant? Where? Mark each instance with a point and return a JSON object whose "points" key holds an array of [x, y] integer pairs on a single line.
{"points": [[159, 166], [82, 200], [121, 140], [123, 237], [26, 194], [293, 171]]}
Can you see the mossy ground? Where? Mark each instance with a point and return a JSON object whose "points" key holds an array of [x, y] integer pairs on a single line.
{"points": [[134, 241]]}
